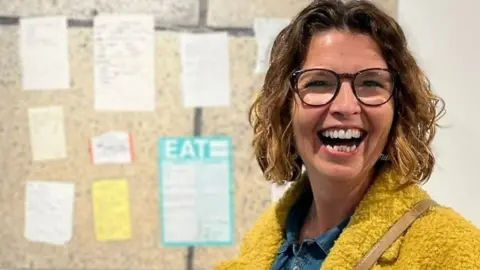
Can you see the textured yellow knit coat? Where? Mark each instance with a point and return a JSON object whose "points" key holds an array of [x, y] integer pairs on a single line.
{"points": [[440, 239]]}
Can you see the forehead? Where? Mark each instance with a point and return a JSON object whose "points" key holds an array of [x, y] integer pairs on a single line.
{"points": [[343, 51]]}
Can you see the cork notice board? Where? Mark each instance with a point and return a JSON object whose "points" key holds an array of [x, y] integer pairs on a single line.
{"points": [[143, 250]]}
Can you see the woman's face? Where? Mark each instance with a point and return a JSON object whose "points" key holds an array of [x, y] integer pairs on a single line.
{"points": [[344, 117]]}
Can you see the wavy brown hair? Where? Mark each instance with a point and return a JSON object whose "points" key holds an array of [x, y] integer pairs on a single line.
{"points": [[417, 108]]}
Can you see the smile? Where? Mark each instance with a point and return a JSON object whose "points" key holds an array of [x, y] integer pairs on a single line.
{"points": [[342, 140]]}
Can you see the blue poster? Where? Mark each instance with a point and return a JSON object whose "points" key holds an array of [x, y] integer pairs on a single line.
{"points": [[196, 191]]}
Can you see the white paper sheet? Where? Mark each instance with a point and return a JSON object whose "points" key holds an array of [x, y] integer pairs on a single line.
{"points": [[113, 147], [124, 63], [196, 191], [47, 133], [49, 212], [44, 53], [205, 70], [266, 30], [277, 190]]}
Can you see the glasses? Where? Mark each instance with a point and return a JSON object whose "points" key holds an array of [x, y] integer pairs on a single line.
{"points": [[318, 87]]}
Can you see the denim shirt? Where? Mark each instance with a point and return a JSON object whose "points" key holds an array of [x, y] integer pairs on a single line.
{"points": [[311, 253]]}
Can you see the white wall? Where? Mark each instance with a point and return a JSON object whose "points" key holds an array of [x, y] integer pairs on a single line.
{"points": [[445, 37]]}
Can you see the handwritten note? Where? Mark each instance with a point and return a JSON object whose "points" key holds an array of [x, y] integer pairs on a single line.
{"points": [[124, 63], [44, 53], [205, 70], [113, 147], [49, 212], [111, 209], [47, 133], [266, 30]]}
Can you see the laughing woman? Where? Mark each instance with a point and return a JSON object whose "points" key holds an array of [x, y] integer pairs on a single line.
{"points": [[345, 99]]}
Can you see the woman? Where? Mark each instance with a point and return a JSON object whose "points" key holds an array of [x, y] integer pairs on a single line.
{"points": [[345, 99]]}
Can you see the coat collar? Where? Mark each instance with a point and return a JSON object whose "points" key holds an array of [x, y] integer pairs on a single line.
{"points": [[380, 208], [383, 204]]}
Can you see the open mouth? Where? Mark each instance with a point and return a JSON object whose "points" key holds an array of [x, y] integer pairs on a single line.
{"points": [[342, 140]]}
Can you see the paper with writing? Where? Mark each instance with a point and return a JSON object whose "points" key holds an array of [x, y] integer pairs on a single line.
{"points": [[44, 53], [113, 147], [47, 133], [49, 212], [205, 78], [124, 62], [266, 30], [196, 191], [111, 210]]}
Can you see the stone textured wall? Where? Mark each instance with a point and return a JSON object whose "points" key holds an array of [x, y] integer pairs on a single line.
{"points": [[143, 251]]}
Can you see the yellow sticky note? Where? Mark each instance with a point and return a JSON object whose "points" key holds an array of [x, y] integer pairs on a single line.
{"points": [[111, 210]]}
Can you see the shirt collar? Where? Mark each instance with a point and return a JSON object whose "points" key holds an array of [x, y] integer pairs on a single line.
{"points": [[327, 240], [296, 218]]}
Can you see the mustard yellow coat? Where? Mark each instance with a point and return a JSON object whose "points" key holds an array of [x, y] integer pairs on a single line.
{"points": [[441, 239]]}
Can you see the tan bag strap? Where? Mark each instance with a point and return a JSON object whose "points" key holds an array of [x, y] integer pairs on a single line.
{"points": [[393, 233]]}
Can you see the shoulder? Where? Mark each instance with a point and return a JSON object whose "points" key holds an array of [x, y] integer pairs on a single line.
{"points": [[260, 244], [446, 237], [268, 228], [446, 222]]}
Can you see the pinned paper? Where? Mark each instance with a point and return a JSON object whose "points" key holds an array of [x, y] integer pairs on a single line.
{"points": [[44, 53], [113, 147], [266, 30], [111, 210], [47, 133], [196, 191], [124, 62], [277, 190], [49, 212], [205, 70]]}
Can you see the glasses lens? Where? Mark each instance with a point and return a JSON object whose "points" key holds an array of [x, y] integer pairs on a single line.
{"points": [[374, 87], [316, 87]]}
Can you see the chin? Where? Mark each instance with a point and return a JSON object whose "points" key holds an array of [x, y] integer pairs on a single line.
{"points": [[339, 172]]}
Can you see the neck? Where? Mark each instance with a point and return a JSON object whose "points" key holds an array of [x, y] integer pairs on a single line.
{"points": [[334, 200]]}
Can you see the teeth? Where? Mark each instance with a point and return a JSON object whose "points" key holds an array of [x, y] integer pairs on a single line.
{"points": [[342, 133], [349, 133], [342, 148]]}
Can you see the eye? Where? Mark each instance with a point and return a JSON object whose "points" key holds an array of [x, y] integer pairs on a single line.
{"points": [[371, 83], [316, 80], [317, 83]]}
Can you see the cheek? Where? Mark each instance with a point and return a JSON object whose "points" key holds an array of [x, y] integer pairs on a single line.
{"points": [[305, 121], [301, 133], [298, 117], [382, 121]]}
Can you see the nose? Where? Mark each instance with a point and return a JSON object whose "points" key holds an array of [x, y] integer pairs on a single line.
{"points": [[345, 103]]}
